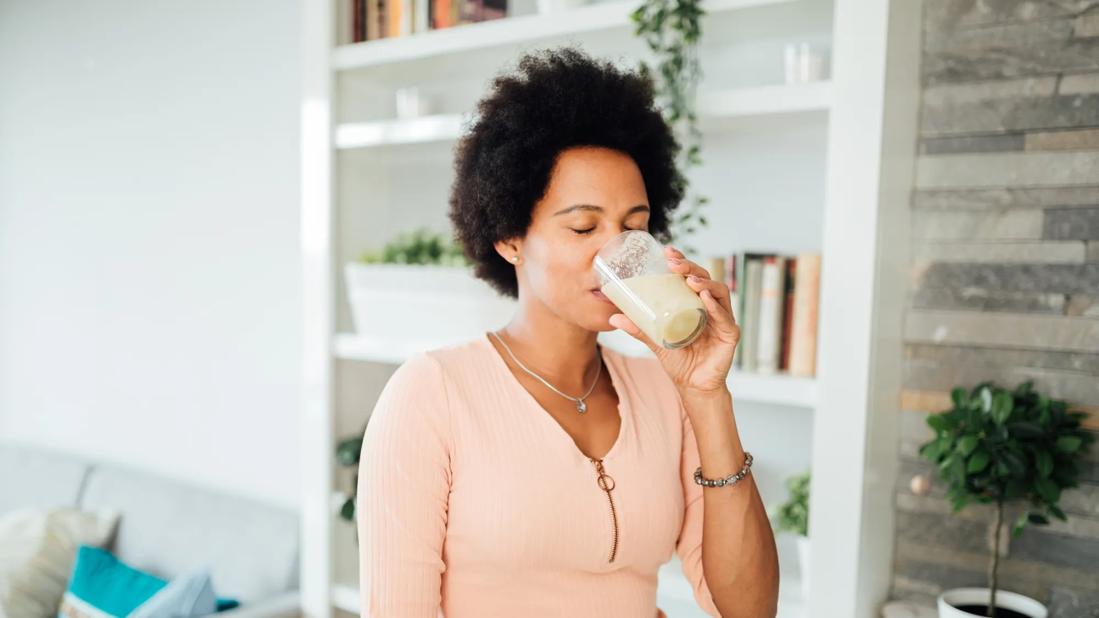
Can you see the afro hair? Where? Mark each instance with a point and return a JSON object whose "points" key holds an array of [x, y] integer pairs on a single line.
{"points": [[557, 99]]}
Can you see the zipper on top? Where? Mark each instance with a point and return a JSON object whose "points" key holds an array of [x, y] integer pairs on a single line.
{"points": [[606, 483]]}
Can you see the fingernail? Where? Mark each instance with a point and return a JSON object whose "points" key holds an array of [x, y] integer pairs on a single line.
{"points": [[675, 260], [695, 278]]}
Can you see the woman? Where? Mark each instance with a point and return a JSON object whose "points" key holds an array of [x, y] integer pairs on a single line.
{"points": [[530, 471]]}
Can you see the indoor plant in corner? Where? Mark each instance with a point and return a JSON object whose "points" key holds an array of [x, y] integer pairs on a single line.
{"points": [[1003, 448], [398, 294], [793, 516]]}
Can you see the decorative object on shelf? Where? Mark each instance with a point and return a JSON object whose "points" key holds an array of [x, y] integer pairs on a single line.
{"points": [[672, 30], [400, 292], [1001, 447], [804, 62], [793, 516], [553, 6], [412, 103]]}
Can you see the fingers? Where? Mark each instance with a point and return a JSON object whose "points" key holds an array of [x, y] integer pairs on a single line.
{"points": [[718, 290], [678, 263], [721, 317], [624, 323]]}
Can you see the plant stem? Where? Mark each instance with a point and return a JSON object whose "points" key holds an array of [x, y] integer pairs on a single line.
{"points": [[995, 559]]}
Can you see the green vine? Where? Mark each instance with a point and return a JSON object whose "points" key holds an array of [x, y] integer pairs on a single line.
{"points": [[672, 30]]}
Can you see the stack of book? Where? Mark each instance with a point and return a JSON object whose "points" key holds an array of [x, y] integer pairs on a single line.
{"points": [[380, 19], [775, 299]]}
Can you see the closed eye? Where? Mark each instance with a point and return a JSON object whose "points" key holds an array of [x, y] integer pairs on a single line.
{"points": [[587, 231]]}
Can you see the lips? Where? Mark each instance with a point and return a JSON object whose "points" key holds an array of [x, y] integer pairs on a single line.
{"points": [[599, 295]]}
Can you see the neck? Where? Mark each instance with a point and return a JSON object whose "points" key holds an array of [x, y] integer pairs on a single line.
{"points": [[561, 352]]}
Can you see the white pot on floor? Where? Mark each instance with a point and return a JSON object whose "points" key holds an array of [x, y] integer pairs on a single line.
{"points": [[950, 600], [803, 565]]}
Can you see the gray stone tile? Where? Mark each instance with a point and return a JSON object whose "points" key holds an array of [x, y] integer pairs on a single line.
{"points": [[1093, 251], [1086, 25], [1083, 305], [1014, 197], [1071, 224], [940, 95], [980, 299], [1045, 252], [1007, 169], [1079, 83], [942, 531], [952, 14], [1012, 114], [1005, 224], [1079, 389], [1045, 278], [1038, 544], [1079, 139], [974, 143], [1001, 329], [1004, 357], [1070, 603], [1004, 51]]}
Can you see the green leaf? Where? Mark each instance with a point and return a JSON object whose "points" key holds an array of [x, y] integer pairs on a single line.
{"points": [[1068, 444], [1037, 518], [938, 422], [347, 509], [967, 444], [978, 462], [986, 400], [1002, 405], [1048, 490], [1044, 462], [1058, 513], [348, 451], [1020, 523], [1023, 429], [959, 396]]}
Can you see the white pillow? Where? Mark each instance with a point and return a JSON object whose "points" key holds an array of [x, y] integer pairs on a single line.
{"points": [[37, 549]]}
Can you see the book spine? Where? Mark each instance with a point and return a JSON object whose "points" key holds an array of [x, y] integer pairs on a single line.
{"points": [[753, 271], [787, 313], [770, 315], [803, 343], [358, 26]]}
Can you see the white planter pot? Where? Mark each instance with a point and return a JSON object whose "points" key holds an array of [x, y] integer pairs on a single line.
{"points": [[433, 305], [803, 565], [950, 599], [553, 6]]}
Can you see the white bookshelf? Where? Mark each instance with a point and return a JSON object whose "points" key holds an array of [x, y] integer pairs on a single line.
{"points": [[788, 167]]}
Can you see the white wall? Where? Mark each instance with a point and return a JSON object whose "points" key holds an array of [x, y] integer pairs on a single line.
{"points": [[149, 275]]}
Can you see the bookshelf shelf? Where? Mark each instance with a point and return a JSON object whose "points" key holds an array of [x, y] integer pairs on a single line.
{"points": [[722, 109], [778, 388], [502, 32]]}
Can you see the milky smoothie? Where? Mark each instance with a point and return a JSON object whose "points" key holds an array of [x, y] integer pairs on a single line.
{"points": [[660, 304]]}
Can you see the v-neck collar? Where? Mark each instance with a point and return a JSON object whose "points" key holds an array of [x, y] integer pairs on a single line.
{"points": [[609, 360]]}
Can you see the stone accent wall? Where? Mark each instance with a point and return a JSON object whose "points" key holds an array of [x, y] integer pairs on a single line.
{"points": [[1004, 275]]}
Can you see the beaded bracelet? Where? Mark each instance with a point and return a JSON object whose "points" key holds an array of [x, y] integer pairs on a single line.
{"points": [[732, 479]]}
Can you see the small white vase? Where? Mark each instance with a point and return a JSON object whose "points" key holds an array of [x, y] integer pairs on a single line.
{"points": [[803, 565], [949, 599]]}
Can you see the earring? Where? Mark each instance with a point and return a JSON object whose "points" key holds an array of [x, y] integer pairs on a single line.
{"points": [[515, 258]]}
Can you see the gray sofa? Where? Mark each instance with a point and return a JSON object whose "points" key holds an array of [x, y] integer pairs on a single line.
{"points": [[167, 527]]}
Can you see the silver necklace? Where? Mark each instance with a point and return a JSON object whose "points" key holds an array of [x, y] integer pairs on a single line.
{"points": [[581, 407]]}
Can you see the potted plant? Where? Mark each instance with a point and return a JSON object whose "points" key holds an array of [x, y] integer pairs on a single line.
{"points": [[793, 516], [1001, 447], [402, 290], [672, 30]]}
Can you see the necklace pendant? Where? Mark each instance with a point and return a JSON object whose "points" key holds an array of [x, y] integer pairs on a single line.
{"points": [[581, 407]]}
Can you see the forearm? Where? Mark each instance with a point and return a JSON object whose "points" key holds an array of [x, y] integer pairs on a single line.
{"points": [[739, 558]]}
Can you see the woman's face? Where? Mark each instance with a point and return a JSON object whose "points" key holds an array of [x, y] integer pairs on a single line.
{"points": [[593, 194]]}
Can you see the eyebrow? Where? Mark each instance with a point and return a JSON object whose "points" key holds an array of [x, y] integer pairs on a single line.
{"points": [[593, 207]]}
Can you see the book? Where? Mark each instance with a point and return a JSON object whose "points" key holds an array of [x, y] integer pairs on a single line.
{"points": [[358, 20], [753, 274], [771, 303], [803, 336], [787, 313]]}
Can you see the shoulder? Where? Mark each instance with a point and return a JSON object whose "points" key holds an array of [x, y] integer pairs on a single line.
{"points": [[434, 370]]}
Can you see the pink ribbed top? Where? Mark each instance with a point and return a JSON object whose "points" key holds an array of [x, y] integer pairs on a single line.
{"points": [[475, 503]]}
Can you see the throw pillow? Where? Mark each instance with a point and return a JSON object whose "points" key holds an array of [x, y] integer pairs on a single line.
{"points": [[37, 549]]}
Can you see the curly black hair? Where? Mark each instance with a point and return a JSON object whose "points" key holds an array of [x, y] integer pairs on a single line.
{"points": [[560, 98]]}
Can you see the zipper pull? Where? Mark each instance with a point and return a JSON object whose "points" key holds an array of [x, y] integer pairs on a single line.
{"points": [[604, 480]]}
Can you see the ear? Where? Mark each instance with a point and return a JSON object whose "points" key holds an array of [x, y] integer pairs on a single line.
{"points": [[508, 248]]}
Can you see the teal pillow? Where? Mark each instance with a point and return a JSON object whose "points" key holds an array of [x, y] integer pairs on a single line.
{"points": [[102, 585]]}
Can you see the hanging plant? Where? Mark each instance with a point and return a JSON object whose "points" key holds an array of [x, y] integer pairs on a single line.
{"points": [[672, 30]]}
